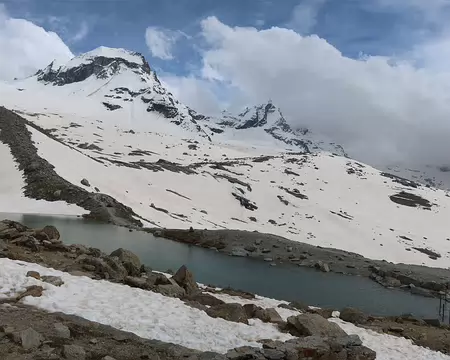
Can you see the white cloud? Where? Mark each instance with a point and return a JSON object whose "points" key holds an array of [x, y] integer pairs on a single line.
{"points": [[160, 41], [82, 32], [304, 16], [26, 47], [381, 110]]}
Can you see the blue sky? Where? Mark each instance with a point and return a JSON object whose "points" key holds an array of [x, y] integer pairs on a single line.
{"points": [[352, 26]]}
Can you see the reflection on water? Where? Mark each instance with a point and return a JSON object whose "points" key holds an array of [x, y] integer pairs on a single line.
{"points": [[280, 282]]}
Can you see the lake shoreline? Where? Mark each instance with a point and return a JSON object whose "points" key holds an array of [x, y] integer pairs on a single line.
{"points": [[276, 250]]}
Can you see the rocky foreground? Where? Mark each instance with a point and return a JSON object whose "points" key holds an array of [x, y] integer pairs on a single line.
{"points": [[28, 333]]}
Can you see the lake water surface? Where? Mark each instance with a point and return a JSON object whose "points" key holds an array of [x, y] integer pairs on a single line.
{"points": [[209, 267]]}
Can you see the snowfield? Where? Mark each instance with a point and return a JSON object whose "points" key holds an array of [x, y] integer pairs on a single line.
{"points": [[145, 313], [153, 316], [12, 199]]}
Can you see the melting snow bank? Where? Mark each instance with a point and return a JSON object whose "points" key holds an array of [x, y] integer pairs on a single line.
{"points": [[12, 198], [390, 347], [151, 315], [147, 314]]}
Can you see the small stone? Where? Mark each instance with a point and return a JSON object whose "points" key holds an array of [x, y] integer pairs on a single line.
{"points": [[88, 267], [322, 266], [85, 182], [108, 358], [268, 259], [396, 329], [57, 194], [273, 354], [54, 280], [258, 242], [62, 331], [265, 251], [34, 274], [289, 249], [93, 341], [74, 352]]}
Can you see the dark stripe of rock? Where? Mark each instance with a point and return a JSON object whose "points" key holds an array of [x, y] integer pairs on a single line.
{"points": [[43, 183]]}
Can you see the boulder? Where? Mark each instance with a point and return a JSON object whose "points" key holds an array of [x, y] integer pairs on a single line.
{"points": [[239, 252], [85, 182], [185, 279], [326, 313], [34, 291], [74, 352], [129, 260], [354, 316], [107, 267], [250, 310], [230, 312], [299, 305], [206, 299], [62, 331], [171, 290], [29, 338], [268, 315], [51, 232], [313, 325], [322, 266], [137, 282]]}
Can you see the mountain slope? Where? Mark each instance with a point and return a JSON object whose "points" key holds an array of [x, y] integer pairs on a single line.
{"points": [[252, 171]]}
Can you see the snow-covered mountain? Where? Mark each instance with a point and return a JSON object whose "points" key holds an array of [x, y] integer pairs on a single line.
{"points": [[121, 82], [106, 118]]}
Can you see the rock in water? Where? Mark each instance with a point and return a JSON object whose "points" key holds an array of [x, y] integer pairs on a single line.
{"points": [[354, 316], [185, 279], [129, 260], [230, 312], [313, 325]]}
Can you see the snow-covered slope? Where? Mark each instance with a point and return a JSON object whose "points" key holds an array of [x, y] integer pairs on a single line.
{"points": [[188, 170], [321, 199]]}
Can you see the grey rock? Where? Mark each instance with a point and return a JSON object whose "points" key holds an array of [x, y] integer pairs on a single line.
{"points": [[85, 182], [108, 358], [54, 280], [349, 340], [185, 279], [250, 248], [175, 291], [314, 325], [52, 232], [196, 305], [360, 353], [130, 261], [206, 299], [74, 352], [289, 249], [354, 316], [421, 291], [108, 267], [137, 282], [29, 338], [433, 322], [268, 259], [62, 331], [322, 266], [258, 242], [57, 194], [265, 251], [273, 354], [230, 312], [243, 353], [299, 305], [391, 282], [268, 315], [239, 252]]}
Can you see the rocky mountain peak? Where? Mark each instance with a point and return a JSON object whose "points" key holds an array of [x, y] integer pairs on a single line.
{"points": [[102, 63]]}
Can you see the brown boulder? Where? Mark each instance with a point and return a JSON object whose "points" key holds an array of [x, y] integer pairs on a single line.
{"points": [[313, 325], [185, 279], [230, 312], [354, 316], [206, 299]]}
